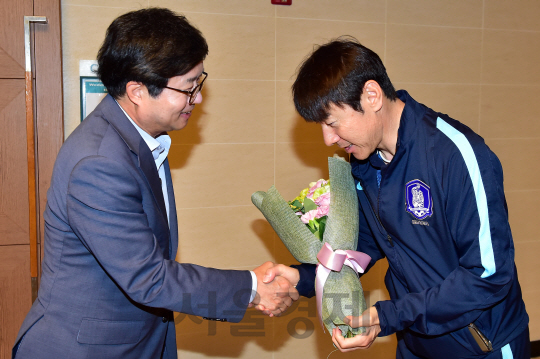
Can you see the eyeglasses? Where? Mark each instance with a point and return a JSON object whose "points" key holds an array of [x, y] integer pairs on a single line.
{"points": [[192, 95]]}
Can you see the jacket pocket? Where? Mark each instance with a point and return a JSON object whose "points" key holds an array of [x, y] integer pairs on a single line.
{"points": [[103, 332]]}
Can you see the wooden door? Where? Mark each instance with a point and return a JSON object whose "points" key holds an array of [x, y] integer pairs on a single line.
{"points": [[15, 282], [15, 289]]}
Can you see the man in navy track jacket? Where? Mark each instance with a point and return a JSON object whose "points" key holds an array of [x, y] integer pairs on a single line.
{"points": [[431, 201]]}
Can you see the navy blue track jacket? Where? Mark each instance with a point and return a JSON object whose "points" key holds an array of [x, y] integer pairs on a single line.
{"points": [[438, 213]]}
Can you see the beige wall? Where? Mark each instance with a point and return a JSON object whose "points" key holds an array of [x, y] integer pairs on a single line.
{"points": [[475, 60]]}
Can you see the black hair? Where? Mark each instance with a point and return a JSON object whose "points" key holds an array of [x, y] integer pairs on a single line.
{"points": [[335, 73], [148, 46]]}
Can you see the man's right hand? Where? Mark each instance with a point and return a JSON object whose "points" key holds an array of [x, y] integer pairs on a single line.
{"points": [[275, 288]]}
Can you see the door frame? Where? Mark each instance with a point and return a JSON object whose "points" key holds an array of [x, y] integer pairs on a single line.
{"points": [[49, 107]]}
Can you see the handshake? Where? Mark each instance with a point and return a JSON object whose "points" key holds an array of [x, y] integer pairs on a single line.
{"points": [[275, 288]]}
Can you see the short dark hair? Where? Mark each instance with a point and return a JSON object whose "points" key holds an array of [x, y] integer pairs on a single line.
{"points": [[335, 73], [148, 46]]}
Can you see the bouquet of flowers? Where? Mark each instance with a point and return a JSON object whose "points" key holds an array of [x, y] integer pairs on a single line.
{"points": [[312, 206], [321, 227]]}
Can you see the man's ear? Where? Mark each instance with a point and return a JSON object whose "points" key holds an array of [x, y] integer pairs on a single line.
{"points": [[135, 92], [373, 95]]}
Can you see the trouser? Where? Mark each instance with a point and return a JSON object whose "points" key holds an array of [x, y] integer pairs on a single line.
{"points": [[519, 348]]}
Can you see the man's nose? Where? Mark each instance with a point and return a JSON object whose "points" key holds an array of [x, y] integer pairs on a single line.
{"points": [[198, 98], [329, 135]]}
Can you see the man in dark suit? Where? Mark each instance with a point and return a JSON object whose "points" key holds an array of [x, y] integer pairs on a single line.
{"points": [[109, 281]]}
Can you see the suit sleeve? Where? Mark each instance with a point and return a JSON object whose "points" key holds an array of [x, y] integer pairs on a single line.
{"points": [[106, 211], [477, 220]]}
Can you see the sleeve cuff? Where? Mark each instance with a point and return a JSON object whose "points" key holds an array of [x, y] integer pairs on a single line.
{"points": [[306, 284], [383, 321], [253, 286]]}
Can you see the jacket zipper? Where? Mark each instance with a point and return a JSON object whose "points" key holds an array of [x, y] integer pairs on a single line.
{"points": [[377, 213]]}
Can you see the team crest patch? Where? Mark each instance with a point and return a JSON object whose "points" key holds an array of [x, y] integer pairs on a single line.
{"points": [[419, 201]]}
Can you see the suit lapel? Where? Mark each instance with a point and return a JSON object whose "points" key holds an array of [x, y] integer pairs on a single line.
{"points": [[116, 117], [173, 220], [148, 167]]}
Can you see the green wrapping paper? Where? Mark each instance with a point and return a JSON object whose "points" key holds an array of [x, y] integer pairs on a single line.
{"points": [[342, 292]]}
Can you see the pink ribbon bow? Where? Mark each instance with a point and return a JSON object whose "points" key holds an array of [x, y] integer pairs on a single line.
{"points": [[330, 260]]}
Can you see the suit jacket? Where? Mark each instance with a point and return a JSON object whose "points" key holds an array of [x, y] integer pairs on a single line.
{"points": [[109, 281]]}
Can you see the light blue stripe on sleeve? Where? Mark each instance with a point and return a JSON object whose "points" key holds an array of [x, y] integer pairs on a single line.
{"points": [[507, 352], [484, 235], [359, 186]]}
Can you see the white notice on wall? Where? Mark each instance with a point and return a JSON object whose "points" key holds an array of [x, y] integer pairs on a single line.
{"points": [[92, 90]]}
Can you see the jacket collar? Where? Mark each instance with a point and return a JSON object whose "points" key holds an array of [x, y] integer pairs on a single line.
{"points": [[113, 114], [412, 112]]}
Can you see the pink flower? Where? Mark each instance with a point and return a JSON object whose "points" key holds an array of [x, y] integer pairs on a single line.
{"points": [[323, 200], [308, 216], [322, 211], [313, 186]]}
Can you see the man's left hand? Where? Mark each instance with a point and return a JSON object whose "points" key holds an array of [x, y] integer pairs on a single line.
{"points": [[369, 320]]}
